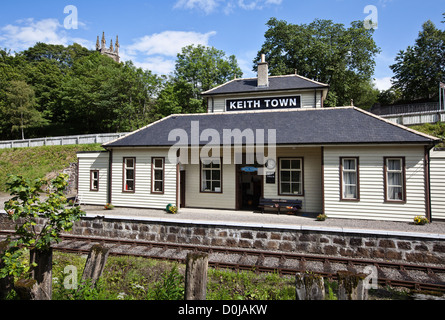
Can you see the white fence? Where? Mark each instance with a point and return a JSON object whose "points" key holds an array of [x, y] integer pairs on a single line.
{"points": [[411, 119], [62, 141]]}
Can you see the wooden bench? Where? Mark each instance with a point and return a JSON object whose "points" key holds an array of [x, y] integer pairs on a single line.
{"points": [[287, 204]]}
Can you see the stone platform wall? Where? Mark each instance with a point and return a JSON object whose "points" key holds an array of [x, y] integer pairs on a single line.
{"points": [[405, 249]]}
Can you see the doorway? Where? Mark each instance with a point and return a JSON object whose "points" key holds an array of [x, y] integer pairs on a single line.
{"points": [[182, 188], [249, 188]]}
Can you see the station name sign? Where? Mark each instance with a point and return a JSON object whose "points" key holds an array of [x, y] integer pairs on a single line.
{"points": [[263, 103]]}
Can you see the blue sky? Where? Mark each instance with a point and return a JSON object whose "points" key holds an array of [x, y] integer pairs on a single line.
{"points": [[152, 32]]}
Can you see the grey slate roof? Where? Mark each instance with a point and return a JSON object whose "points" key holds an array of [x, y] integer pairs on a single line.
{"points": [[288, 82], [302, 127]]}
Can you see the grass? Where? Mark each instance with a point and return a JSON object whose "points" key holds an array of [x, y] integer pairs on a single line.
{"points": [[37, 162], [137, 278], [436, 130], [131, 278]]}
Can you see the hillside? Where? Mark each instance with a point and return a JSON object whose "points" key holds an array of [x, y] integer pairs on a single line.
{"points": [[436, 130], [37, 162]]}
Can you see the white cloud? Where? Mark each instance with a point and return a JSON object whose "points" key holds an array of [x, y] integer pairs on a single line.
{"points": [[257, 4], [383, 83], [169, 43], [158, 52], [210, 6], [26, 33], [207, 6], [157, 64]]}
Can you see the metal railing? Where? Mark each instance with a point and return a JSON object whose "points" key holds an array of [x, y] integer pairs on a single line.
{"points": [[62, 141]]}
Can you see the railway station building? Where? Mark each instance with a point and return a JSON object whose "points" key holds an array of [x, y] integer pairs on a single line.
{"points": [[267, 138]]}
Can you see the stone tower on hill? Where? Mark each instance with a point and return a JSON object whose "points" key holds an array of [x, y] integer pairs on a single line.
{"points": [[112, 52]]}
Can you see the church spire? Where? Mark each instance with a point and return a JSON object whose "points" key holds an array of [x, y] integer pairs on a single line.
{"points": [[117, 45], [104, 42], [112, 51]]}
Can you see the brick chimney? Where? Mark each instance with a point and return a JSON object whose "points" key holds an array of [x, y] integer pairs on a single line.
{"points": [[263, 72]]}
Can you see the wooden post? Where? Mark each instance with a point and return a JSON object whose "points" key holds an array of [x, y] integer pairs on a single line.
{"points": [[95, 264], [351, 286], [310, 287], [42, 274], [39, 287], [196, 276]]}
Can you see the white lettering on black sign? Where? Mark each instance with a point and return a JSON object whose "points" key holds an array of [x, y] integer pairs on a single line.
{"points": [[263, 103]]}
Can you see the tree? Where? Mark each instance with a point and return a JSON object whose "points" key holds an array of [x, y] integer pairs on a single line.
{"points": [[419, 69], [24, 209], [205, 68], [20, 107], [177, 97], [108, 96], [325, 51]]}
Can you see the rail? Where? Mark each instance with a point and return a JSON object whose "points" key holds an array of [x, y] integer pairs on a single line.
{"points": [[61, 141], [417, 277]]}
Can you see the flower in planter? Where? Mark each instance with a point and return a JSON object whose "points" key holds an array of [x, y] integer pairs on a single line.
{"points": [[173, 210], [419, 220], [109, 206]]}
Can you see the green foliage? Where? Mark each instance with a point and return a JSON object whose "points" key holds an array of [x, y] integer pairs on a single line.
{"points": [[131, 278], [436, 130], [24, 208], [171, 287], [19, 107], [419, 69], [73, 83], [205, 68], [327, 52]]}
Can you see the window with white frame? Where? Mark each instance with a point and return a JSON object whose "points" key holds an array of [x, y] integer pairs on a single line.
{"points": [[291, 176], [211, 175], [350, 179], [158, 176], [94, 180], [129, 174], [395, 179]]}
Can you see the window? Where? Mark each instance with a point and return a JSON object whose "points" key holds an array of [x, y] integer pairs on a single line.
{"points": [[395, 179], [211, 176], [291, 176], [94, 180], [349, 179], [157, 175], [129, 174]]}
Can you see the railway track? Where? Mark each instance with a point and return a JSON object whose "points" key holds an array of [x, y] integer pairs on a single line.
{"points": [[418, 277]]}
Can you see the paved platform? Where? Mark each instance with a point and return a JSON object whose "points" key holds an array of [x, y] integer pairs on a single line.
{"points": [[435, 230]]}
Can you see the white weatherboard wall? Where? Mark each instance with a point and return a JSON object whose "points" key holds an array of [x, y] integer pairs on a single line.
{"points": [[88, 162], [371, 165], [142, 197], [438, 184], [312, 175], [196, 199]]}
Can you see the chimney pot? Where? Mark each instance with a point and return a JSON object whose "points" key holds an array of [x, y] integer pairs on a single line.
{"points": [[263, 72]]}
